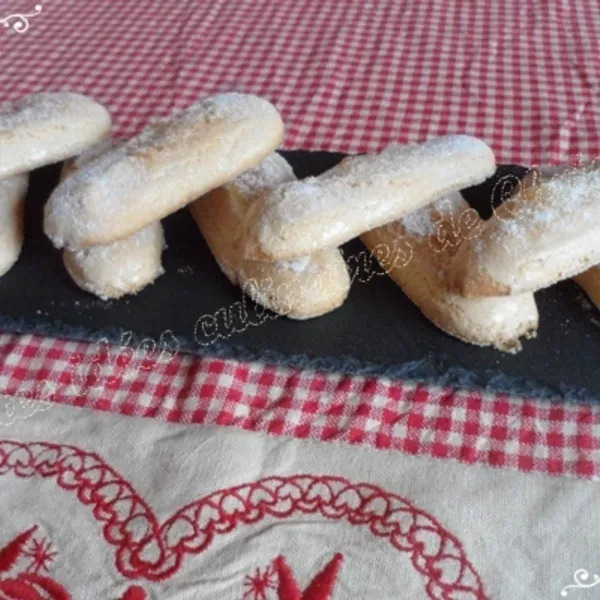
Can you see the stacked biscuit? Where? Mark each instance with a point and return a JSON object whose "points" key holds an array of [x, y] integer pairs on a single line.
{"points": [[277, 237], [35, 131], [106, 212]]}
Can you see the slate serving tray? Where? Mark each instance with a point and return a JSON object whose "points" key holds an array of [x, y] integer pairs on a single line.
{"points": [[377, 331]]}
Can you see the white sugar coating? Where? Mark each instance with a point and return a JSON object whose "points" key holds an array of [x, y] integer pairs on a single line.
{"points": [[254, 182], [422, 222], [557, 204], [111, 252], [95, 151], [401, 160], [168, 165], [45, 106], [298, 265], [169, 133], [12, 198], [272, 171], [122, 267], [48, 127], [419, 223], [545, 233], [367, 191]]}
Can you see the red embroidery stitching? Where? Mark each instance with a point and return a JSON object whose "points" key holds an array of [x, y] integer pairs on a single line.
{"points": [[41, 554], [320, 588], [10, 554], [29, 585], [155, 552], [258, 585], [135, 592]]}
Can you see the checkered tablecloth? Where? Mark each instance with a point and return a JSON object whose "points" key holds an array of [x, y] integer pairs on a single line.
{"points": [[347, 75]]}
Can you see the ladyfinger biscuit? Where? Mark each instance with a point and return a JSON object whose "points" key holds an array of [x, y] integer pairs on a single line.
{"points": [[45, 128], [122, 267], [302, 288], [167, 166], [590, 281], [12, 200], [76, 162], [434, 234], [546, 232], [361, 193]]}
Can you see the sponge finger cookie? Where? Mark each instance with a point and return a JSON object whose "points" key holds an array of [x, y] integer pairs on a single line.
{"points": [[122, 267], [12, 200], [434, 234], [167, 166], [361, 193], [547, 232], [45, 128], [302, 288]]}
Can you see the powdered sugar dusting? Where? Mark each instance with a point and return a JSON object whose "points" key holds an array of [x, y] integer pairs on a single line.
{"points": [[375, 177], [122, 267], [567, 196], [45, 128], [419, 223], [169, 164], [423, 222], [112, 252], [95, 151], [271, 172], [298, 265], [44, 108]]}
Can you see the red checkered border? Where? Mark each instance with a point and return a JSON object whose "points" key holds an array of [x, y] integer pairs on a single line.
{"points": [[488, 429]]}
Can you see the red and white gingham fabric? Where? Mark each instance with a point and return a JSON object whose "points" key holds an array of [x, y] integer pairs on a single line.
{"points": [[350, 75], [496, 430]]}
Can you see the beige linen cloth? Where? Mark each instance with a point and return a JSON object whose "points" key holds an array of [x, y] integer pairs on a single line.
{"points": [[132, 508]]}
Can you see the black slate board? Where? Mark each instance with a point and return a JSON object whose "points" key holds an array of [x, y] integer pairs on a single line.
{"points": [[377, 330]]}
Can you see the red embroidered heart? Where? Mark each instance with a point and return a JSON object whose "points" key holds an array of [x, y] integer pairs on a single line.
{"points": [[179, 531], [207, 515], [261, 495], [47, 461], [428, 540], [289, 490], [381, 528], [21, 461], [93, 476], [319, 491], [68, 479], [403, 519], [150, 553], [348, 499], [110, 491], [376, 505], [232, 505], [448, 569]]}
